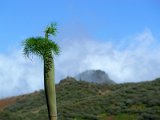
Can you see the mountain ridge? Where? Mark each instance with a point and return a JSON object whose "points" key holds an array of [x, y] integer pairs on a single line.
{"points": [[95, 76]]}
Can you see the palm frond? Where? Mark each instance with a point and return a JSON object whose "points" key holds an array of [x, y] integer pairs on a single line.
{"points": [[40, 46], [51, 29]]}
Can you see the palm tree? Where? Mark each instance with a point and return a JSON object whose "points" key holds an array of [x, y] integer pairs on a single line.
{"points": [[45, 48]]}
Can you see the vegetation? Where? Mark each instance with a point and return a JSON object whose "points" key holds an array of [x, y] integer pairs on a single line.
{"points": [[80, 100], [45, 48]]}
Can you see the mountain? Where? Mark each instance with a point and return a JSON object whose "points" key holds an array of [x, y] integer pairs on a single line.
{"points": [[80, 100], [95, 76]]}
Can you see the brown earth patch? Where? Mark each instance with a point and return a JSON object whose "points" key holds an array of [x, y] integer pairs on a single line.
{"points": [[8, 101]]}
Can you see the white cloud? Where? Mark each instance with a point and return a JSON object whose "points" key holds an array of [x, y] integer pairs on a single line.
{"points": [[19, 76], [135, 58]]}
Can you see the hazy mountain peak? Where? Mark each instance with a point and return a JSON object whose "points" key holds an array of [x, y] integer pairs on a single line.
{"points": [[96, 76]]}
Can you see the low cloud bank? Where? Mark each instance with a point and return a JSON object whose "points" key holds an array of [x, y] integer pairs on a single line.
{"points": [[19, 75], [132, 59]]}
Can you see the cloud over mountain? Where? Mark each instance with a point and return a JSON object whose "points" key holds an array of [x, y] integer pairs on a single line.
{"points": [[131, 59]]}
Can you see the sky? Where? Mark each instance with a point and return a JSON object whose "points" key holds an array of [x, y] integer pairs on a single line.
{"points": [[121, 37]]}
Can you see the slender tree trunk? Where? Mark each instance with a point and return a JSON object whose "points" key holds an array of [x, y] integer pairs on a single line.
{"points": [[49, 85]]}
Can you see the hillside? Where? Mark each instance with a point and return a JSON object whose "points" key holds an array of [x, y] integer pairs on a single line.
{"points": [[80, 100], [95, 76]]}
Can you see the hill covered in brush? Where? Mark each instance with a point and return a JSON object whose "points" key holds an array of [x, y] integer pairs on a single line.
{"points": [[80, 100]]}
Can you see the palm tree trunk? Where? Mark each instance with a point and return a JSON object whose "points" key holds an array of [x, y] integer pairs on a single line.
{"points": [[49, 85]]}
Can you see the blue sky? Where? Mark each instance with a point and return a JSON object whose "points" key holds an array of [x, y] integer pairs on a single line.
{"points": [[100, 19], [120, 37]]}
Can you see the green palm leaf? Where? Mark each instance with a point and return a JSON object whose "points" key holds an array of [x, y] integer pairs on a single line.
{"points": [[40, 46]]}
